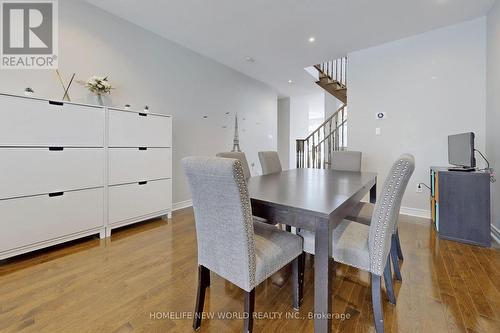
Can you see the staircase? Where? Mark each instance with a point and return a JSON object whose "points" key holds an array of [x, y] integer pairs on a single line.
{"points": [[315, 151], [333, 78]]}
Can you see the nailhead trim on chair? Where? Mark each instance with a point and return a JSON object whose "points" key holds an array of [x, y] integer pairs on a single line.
{"points": [[247, 213], [384, 211]]}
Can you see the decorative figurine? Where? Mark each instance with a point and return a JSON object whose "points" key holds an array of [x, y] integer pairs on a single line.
{"points": [[236, 140], [65, 88]]}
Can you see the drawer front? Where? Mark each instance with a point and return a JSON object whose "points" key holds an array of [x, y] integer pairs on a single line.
{"points": [[32, 171], [135, 200], [131, 129], [128, 165], [31, 220], [30, 122]]}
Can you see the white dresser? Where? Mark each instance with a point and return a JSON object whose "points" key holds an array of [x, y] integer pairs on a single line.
{"points": [[140, 166], [70, 170]]}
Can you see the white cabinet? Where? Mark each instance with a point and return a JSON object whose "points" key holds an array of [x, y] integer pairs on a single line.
{"points": [[70, 170], [139, 167], [52, 177]]}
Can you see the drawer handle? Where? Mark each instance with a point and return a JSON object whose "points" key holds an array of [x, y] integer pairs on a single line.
{"points": [[56, 103], [143, 183], [56, 148], [143, 148], [56, 194], [142, 114]]}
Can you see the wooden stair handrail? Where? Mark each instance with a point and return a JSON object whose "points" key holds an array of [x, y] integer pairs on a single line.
{"points": [[324, 123], [329, 135]]}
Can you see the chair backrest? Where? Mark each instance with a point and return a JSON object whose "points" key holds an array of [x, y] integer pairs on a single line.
{"points": [[386, 212], [238, 156], [346, 161], [223, 218], [270, 162]]}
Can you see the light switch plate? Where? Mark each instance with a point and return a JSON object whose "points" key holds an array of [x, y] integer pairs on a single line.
{"points": [[378, 131]]}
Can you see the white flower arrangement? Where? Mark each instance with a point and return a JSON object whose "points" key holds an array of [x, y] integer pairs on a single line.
{"points": [[98, 85]]}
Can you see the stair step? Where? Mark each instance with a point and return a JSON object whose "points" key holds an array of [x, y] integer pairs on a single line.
{"points": [[342, 87], [331, 85], [339, 93]]}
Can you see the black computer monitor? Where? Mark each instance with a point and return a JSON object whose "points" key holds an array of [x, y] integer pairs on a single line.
{"points": [[461, 150]]}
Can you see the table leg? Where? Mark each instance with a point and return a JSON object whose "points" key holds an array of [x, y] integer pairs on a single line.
{"points": [[373, 193], [322, 283]]}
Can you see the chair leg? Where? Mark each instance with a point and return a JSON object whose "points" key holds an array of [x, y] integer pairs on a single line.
{"points": [[388, 282], [394, 258], [378, 314], [203, 283], [249, 309], [298, 281], [400, 252]]}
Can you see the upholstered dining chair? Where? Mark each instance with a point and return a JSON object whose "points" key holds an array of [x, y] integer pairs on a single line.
{"points": [[362, 214], [230, 243], [270, 162], [368, 247], [239, 156], [346, 160], [351, 161]]}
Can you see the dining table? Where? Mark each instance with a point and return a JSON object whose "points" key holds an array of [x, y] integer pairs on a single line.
{"points": [[315, 200]]}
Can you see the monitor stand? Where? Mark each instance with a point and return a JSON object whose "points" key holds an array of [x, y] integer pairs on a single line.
{"points": [[465, 169]]}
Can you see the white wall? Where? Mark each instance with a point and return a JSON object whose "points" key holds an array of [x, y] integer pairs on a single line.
{"points": [[430, 85], [306, 113], [147, 69], [331, 105], [493, 104], [284, 131]]}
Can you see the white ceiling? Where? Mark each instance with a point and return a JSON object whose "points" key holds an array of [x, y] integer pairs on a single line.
{"points": [[275, 32]]}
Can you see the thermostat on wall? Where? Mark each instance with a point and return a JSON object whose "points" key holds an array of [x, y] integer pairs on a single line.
{"points": [[380, 115]]}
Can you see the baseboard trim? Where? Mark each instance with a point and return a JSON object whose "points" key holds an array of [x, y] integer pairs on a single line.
{"points": [[182, 204], [495, 234], [416, 212]]}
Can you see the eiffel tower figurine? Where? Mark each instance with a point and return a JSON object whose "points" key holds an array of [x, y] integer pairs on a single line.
{"points": [[236, 140]]}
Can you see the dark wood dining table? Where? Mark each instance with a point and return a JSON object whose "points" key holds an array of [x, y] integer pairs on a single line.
{"points": [[315, 200]]}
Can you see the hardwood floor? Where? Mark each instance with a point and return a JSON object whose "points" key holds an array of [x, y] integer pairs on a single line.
{"points": [[143, 279]]}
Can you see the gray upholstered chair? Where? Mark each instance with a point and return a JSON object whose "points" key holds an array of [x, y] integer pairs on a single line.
{"points": [[346, 161], [351, 161], [368, 247], [362, 214], [230, 243], [241, 157], [270, 162]]}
